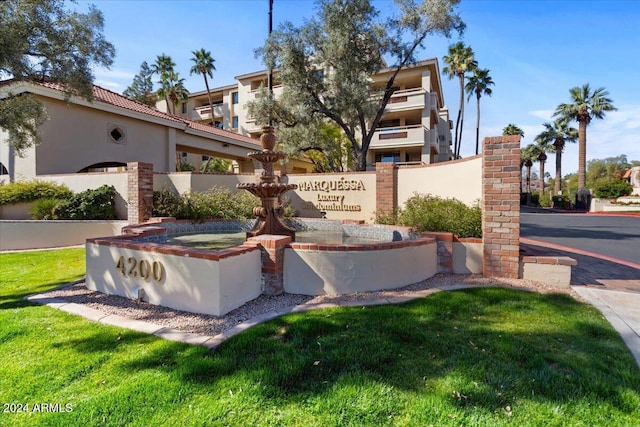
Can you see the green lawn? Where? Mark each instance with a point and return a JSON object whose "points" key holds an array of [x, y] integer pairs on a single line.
{"points": [[480, 357]]}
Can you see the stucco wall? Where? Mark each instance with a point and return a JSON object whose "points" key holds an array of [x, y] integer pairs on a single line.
{"points": [[311, 272], [182, 182], [340, 195], [15, 235], [460, 179], [73, 128], [190, 284]]}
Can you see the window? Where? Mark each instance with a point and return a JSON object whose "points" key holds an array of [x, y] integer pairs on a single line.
{"points": [[235, 122], [388, 157], [117, 134], [3, 170], [218, 125], [205, 158], [234, 97], [184, 108]]}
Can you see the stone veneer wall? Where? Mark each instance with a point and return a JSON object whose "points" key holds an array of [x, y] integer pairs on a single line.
{"points": [[501, 206]]}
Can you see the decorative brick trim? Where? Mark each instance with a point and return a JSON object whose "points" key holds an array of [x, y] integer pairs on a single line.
{"points": [[272, 248], [501, 206], [342, 247], [140, 192], [386, 188], [552, 260]]}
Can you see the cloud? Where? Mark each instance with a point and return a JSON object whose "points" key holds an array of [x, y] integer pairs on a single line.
{"points": [[117, 74], [111, 85], [546, 115]]}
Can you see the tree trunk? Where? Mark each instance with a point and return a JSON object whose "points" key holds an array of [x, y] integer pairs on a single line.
{"points": [[461, 113], [582, 155], [206, 83], [541, 178], [477, 122], [557, 185]]}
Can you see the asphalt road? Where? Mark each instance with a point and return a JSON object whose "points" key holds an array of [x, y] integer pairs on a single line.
{"points": [[614, 236]]}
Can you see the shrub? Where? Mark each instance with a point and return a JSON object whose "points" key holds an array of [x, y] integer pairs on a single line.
{"points": [[89, 204], [216, 203], [561, 202], [44, 209], [433, 213], [545, 201], [612, 189], [29, 191]]}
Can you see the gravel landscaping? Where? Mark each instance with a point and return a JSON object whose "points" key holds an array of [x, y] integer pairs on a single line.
{"points": [[213, 325]]}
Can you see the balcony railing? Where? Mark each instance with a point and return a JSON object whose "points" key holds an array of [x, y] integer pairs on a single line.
{"points": [[204, 112], [407, 99], [277, 91], [400, 136]]}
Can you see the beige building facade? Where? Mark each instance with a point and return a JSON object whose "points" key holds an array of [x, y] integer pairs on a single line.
{"points": [[112, 130], [415, 128]]}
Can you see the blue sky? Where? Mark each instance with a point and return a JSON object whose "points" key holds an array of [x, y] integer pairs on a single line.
{"points": [[536, 50]]}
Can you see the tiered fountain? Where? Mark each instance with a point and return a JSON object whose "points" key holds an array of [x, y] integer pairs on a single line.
{"points": [[268, 190]]}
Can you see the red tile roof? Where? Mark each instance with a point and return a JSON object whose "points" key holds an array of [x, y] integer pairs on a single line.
{"points": [[109, 97]]}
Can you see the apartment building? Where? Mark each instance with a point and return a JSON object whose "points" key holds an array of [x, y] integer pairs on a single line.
{"points": [[415, 128]]}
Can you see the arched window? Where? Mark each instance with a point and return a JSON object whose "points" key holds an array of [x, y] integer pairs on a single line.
{"points": [[3, 170]]}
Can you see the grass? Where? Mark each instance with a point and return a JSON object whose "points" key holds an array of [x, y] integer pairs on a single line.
{"points": [[479, 357]]}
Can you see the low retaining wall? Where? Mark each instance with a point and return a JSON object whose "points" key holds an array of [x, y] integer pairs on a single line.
{"points": [[17, 235], [316, 269], [194, 280]]}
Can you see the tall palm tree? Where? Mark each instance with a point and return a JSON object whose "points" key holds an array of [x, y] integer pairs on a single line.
{"points": [[459, 61], [203, 64], [585, 106], [172, 89], [527, 156], [162, 67], [556, 135], [478, 84]]}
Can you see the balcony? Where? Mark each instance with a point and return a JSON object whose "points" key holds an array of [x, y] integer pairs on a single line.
{"points": [[400, 136], [277, 92], [409, 99], [204, 112]]}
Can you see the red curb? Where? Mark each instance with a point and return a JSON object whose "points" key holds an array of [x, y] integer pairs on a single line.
{"points": [[579, 252]]}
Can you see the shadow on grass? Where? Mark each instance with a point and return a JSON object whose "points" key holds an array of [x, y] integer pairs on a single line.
{"points": [[490, 346], [17, 299]]}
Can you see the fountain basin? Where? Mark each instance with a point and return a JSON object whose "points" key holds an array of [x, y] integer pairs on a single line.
{"points": [[142, 265]]}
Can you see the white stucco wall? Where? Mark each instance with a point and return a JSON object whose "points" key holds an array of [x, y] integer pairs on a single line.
{"points": [[16, 235], [461, 179], [467, 258], [312, 272], [190, 284]]}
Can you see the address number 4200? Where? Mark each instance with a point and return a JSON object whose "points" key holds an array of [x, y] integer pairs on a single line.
{"points": [[132, 267]]}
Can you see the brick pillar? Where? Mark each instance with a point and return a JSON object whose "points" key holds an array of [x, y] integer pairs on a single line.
{"points": [[140, 189], [272, 248], [501, 206], [386, 188]]}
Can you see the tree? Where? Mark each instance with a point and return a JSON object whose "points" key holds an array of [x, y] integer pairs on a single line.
{"points": [[527, 156], [162, 67], [459, 61], [585, 106], [556, 135], [512, 129], [203, 64], [172, 90], [478, 84], [325, 64], [39, 41], [215, 165], [142, 86]]}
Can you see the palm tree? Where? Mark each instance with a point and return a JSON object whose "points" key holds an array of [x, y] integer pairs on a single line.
{"points": [[585, 106], [527, 156], [163, 66], [479, 84], [203, 64], [542, 148], [459, 61], [512, 129], [172, 90], [556, 135]]}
